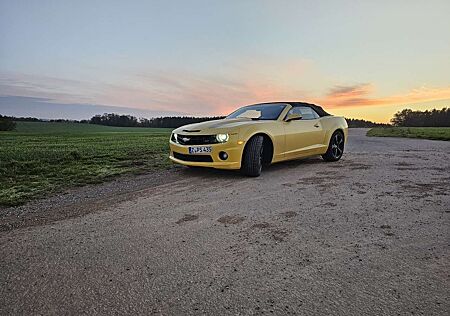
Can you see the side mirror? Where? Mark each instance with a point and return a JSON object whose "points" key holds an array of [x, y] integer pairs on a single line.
{"points": [[292, 117]]}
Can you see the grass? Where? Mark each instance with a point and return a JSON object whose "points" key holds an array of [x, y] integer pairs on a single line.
{"points": [[436, 133], [41, 158]]}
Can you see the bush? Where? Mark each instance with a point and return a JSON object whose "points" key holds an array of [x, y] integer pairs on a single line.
{"points": [[7, 125]]}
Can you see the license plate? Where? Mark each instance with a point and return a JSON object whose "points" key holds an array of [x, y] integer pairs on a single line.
{"points": [[200, 150]]}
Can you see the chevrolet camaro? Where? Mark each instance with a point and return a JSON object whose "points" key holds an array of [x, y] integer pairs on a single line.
{"points": [[257, 135]]}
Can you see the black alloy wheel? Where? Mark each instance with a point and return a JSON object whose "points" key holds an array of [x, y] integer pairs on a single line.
{"points": [[335, 148]]}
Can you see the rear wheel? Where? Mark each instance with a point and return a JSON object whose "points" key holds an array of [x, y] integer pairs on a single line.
{"points": [[252, 159], [335, 148]]}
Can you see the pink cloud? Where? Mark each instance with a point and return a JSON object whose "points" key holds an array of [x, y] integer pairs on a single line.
{"points": [[187, 92]]}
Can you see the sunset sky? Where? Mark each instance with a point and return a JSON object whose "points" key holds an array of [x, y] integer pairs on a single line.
{"points": [[361, 59]]}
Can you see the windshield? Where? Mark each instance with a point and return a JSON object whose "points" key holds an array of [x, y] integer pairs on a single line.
{"points": [[259, 111]]}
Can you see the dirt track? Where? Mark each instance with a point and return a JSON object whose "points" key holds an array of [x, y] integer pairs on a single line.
{"points": [[366, 235]]}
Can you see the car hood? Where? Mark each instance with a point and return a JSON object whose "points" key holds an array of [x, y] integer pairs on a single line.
{"points": [[216, 126]]}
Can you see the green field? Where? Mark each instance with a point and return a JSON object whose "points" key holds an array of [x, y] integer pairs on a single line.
{"points": [[41, 158], [436, 133]]}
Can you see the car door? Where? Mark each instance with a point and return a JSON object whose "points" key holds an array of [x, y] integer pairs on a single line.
{"points": [[305, 136]]}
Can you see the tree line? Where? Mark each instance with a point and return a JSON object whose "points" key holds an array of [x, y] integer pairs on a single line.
{"points": [[177, 121], [355, 123], [406, 117], [111, 119], [433, 118], [7, 123]]}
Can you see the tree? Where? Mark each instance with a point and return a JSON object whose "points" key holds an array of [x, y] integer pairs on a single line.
{"points": [[433, 118], [7, 124]]}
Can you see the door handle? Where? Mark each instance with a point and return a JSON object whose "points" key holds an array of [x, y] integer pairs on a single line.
{"points": [[316, 125]]}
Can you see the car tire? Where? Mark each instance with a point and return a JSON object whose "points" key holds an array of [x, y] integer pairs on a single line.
{"points": [[252, 159], [335, 147]]}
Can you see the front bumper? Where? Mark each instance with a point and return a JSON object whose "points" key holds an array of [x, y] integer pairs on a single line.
{"points": [[231, 147]]}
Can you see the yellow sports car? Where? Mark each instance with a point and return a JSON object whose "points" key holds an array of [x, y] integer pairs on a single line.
{"points": [[258, 135]]}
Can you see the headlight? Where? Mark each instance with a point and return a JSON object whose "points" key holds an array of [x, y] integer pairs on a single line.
{"points": [[222, 138], [175, 138]]}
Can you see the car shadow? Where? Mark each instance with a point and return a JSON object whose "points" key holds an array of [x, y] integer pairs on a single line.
{"points": [[291, 164], [202, 172]]}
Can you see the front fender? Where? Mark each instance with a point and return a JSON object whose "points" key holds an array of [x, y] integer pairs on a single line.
{"points": [[331, 124], [272, 130]]}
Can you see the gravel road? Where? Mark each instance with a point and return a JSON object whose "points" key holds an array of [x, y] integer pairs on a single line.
{"points": [[368, 235]]}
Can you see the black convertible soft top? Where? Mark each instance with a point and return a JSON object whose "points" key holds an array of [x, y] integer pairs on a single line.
{"points": [[319, 110]]}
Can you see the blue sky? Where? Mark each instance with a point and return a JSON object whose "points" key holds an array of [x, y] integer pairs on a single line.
{"points": [[363, 59]]}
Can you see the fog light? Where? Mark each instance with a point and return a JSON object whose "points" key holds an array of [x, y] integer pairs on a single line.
{"points": [[223, 155]]}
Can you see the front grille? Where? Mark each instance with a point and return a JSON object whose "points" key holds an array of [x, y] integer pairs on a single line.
{"points": [[193, 158], [196, 139]]}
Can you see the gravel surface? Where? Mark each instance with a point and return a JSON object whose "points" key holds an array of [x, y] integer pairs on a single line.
{"points": [[83, 200], [366, 235]]}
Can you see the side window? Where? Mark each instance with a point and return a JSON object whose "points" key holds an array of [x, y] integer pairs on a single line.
{"points": [[306, 112]]}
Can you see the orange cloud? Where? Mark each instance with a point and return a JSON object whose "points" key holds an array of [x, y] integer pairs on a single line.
{"points": [[212, 95], [360, 95]]}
